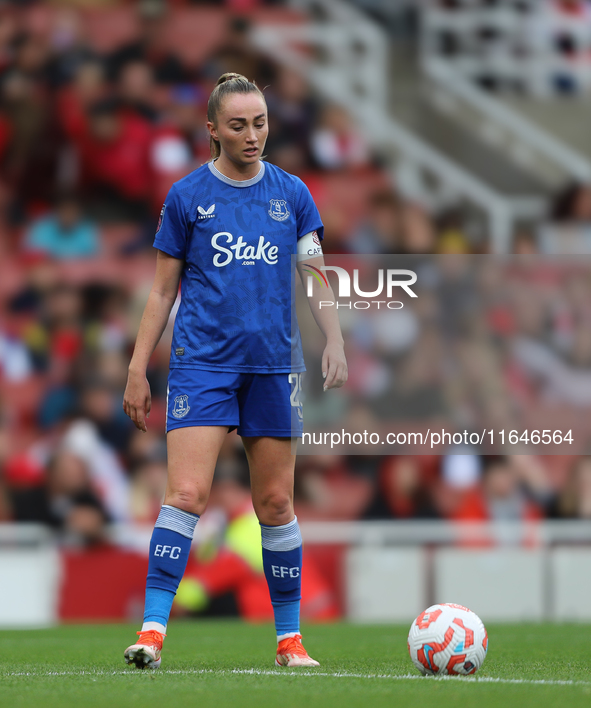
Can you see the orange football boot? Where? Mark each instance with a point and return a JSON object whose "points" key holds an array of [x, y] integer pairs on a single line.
{"points": [[146, 653], [290, 652]]}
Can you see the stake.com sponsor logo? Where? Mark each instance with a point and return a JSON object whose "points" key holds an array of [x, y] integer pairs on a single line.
{"points": [[394, 278]]}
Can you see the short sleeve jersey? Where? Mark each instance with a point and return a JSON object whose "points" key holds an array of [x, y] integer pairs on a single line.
{"points": [[237, 239]]}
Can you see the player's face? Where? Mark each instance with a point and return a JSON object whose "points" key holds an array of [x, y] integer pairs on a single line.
{"points": [[241, 128]]}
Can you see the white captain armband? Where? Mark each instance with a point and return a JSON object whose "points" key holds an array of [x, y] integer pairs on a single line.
{"points": [[309, 246]]}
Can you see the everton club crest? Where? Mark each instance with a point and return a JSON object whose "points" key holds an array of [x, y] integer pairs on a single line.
{"points": [[278, 209], [181, 406]]}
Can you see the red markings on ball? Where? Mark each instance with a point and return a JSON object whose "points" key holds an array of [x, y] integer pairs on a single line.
{"points": [[427, 618], [454, 661], [469, 640], [456, 607], [426, 652]]}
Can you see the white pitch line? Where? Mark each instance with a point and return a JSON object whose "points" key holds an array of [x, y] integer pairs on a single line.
{"points": [[300, 674]]}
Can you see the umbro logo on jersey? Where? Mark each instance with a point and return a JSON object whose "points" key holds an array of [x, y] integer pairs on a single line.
{"points": [[206, 213]]}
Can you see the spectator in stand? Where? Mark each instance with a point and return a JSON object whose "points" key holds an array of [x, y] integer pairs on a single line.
{"points": [[511, 490], [15, 362], [55, 339], [40, 275], [83, 439], [525, 243], [100, 403], [451, 236], [30, 57], [237, 54], [401, 491], [65, 233], [574, 500], [180, 142], [151, 47], [105, 315], [380, 230], [148, 484], [135, 88], [69, 49], [336, 143], [30, 161], [573, 205], [326, 488], [415, 392], [292, 114], [115, 158], [10, 28], [570, 230], [506, 489], [74, 100], [66, 502], [417, 231], [185, 113]]}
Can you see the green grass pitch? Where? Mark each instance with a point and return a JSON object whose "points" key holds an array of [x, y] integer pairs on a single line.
{"points": [[230, 664]]}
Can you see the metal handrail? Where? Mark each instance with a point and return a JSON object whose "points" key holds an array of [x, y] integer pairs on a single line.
{"points": [[528, 133], [413, 532]]}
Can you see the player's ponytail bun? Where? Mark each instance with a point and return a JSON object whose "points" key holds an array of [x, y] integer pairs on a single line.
{"points": [[230, 76], [227, 83]]}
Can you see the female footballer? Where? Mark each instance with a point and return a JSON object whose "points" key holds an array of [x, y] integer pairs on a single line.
{"points": [[227, 233]]}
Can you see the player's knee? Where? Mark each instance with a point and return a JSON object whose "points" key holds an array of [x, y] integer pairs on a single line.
{"points": [[275, 509], [192, 500]]}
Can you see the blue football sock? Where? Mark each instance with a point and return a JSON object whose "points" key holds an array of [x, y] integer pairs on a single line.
{"points": [[169, 552], [282, 562]]}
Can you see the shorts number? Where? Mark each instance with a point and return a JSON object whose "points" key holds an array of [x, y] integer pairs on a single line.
{"points": [[294, 398]]}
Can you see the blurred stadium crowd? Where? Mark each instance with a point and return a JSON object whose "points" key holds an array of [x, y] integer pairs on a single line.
{"points": [[100, 111]]}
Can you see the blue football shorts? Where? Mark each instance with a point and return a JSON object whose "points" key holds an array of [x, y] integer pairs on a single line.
{"points": [[266, 405]]}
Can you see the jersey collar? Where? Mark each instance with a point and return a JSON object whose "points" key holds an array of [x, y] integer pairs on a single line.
{"points": [[236, 182]]}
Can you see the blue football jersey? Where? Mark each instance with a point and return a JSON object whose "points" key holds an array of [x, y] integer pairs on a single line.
{"points": [[237, 239]]}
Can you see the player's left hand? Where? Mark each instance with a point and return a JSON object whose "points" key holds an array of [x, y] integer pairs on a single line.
{"points": [[334, 366]]}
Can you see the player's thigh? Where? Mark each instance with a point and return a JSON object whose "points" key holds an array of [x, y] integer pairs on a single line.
{"points": [[270, 406], [192, 456], [272, 463]]}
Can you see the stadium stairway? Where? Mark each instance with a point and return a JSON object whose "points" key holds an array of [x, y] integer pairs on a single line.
{"points": [[567, 118], [437, 120]]}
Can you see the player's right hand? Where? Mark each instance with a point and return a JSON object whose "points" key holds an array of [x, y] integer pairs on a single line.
{"points": [[137, 400]]}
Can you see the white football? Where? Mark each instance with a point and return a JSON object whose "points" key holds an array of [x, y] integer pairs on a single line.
{"points": [[447, 640]]}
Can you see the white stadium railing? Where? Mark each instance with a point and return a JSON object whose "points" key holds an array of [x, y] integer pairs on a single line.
{"points": [[30, 573], [506, 571], [393, 569], [414, 532]]}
